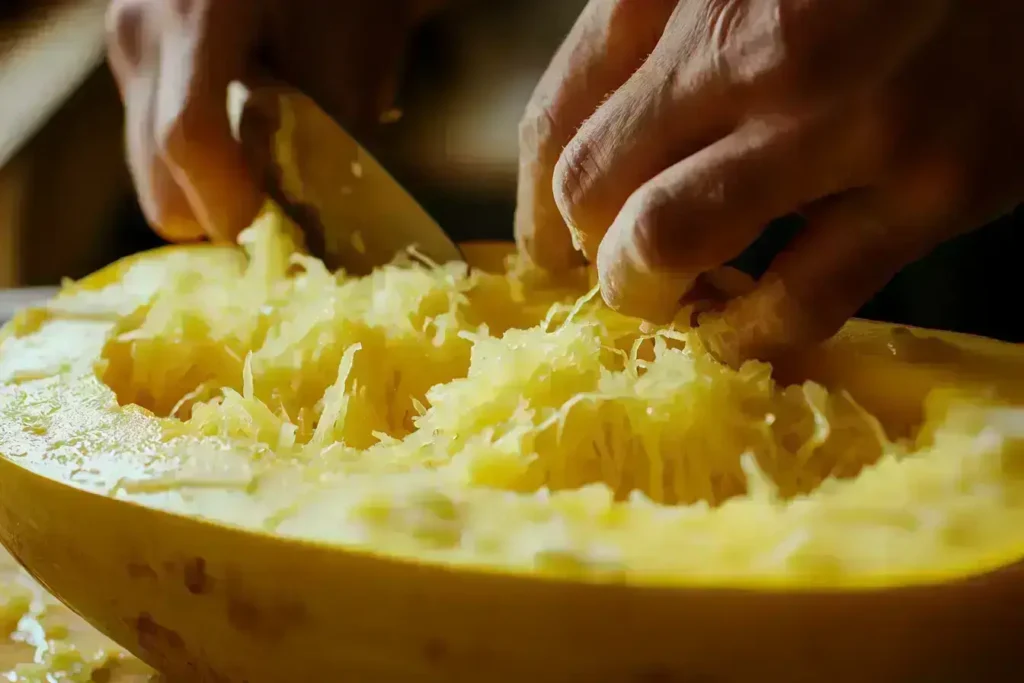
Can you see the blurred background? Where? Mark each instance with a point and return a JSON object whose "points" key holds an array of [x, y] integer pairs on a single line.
{"points": [[66, 204]]}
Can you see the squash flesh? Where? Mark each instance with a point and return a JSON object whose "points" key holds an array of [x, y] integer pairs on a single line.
{"points": [[499, 421]]}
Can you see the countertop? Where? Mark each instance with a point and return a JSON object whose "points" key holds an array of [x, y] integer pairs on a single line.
{"points": [[44, 640]]}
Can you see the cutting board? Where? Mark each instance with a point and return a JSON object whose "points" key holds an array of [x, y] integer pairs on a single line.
{"points": [[44, 616]]}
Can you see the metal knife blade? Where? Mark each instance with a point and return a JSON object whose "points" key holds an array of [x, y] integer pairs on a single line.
{"points": [[355, 215]]}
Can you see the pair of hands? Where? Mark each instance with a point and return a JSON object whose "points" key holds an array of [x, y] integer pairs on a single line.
{"points": [[661, 140]]}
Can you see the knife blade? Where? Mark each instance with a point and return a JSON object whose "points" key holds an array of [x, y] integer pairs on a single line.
{"points": [[354, 214]]}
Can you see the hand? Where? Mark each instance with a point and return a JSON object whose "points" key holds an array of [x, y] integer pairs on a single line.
{"points": [[667, 133], [173, 60]]}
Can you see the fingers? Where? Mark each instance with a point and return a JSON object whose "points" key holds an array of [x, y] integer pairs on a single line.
{"points": [[163, 203], [173, 62], [850, 248], [204, 45], [670, 107], [707, 209], [610, 40], [133, 55], [717, 63]]}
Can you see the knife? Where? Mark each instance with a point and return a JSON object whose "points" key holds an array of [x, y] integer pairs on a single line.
{"points": [[354, 214]]}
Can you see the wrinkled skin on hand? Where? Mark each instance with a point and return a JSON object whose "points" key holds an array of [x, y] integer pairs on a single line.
{"points": [[666, 134], [173, 60]]}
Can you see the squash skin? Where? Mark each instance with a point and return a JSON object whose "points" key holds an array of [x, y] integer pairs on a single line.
{"points": [[206, 602]]}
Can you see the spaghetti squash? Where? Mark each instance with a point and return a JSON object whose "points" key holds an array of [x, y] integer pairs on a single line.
{"points": [[505, 420], [243, 467]]}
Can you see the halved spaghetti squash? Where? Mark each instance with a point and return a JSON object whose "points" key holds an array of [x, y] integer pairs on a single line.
{"points": [[504, 422]]}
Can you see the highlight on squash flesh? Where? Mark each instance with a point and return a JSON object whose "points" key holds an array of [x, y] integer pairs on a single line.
{"points": [[509, 420]]}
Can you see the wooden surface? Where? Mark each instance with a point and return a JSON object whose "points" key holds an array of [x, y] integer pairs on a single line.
{"points": [[45, 641], [14, 181], [77, 183], [62, 171], [61, 192]]}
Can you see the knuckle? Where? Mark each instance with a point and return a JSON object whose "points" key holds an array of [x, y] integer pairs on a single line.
{"points": [[652, 211], [746, 42], [576, 175], [676, 228]]}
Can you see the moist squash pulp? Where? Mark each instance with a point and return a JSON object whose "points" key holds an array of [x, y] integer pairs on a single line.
{"points": [[505, 426]]}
